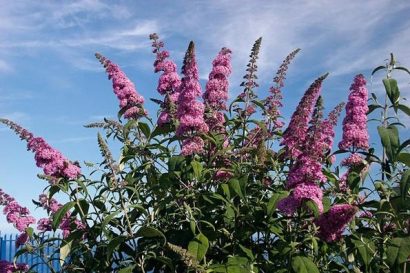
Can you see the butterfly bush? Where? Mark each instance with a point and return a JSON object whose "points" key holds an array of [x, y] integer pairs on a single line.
{"points": [[190, 111], [17, 215], [54, 164], [124, 89], [217, 186], [295, 134], [8, 267], [333, 222], [169, 81], [273, 101], [216, 91]]}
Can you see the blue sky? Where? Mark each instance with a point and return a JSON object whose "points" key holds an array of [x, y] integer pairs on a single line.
{"points": [[51, 83]]}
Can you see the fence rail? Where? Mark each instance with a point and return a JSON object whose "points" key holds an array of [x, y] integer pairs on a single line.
{"points": [[8, 250]]}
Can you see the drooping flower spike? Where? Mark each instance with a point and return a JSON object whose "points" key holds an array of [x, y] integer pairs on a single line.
{"points": [[169, 81], [17, 215], [54, 164], [190, 112], [125, 90]]}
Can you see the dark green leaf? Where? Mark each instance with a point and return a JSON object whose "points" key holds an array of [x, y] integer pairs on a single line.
{"points": [[404, 108], [404, 158], [392, 91], [149, 232], [236, 187], [197, 167], [59, 215], [378, 68], [144, 129], [199, 246], [273, 201], [405, 184], [301, 264], [398, 251], [390, 140]]}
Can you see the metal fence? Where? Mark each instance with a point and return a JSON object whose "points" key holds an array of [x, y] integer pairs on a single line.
{"points": [[8, 250]]}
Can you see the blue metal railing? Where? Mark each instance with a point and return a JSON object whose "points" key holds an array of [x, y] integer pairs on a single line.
{"points": [[8, 250]]}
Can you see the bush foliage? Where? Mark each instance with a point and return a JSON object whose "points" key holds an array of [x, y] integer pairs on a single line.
{"points": [[212, 187]]}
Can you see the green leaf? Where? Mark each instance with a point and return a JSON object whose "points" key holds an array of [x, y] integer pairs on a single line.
{"points": [[273, 202], [113, 245], [109, 218], [199, 246], [373, 107], [301, 264], [398, 251], [390, 140], [404, 158], [248, 252], [144, 129], [150, 232], [234, 184], [175, 162], [65, 249], [59, 215], [366, 250], [197, 167], [378, 68], [404, 108], [313, 207], [405, 184], [403, 68], [392, 91], [128, 269]]}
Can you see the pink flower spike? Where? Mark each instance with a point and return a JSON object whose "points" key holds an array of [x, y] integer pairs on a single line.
{"points": [[355, 135], [333, 222], [190, 112], [54, 164], [216, 92], [124, 89], [294, 136]]}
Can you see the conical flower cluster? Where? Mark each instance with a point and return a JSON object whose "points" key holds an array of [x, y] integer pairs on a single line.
{"points": [[190, 112], [169, 81], [124, 89], [216, 92], [54, 164], [355, 135], [333, 222], [294, 136]]}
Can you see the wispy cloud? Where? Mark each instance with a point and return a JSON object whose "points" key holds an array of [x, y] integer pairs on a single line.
{"points": [[5, 67]]}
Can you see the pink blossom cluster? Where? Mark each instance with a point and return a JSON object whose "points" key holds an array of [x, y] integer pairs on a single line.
{"points": [[169, 81], [9, 267], [54, 164], [52, 161], [273, 101], [190, 112], [306, 173], [332, 223], [355, 135], [17, 215], [52, 206], [295, 134], [354, 160], [302, 192], [216, 91], [124, 89]]}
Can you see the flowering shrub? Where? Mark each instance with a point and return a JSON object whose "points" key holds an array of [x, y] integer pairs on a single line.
{"points": [[205, 188]]}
